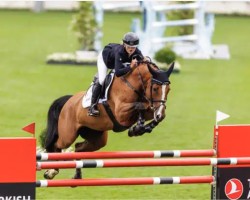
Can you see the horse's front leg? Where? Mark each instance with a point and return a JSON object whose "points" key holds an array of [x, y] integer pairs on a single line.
{"points": [[139, 127], [150, 126], [138, 131]]}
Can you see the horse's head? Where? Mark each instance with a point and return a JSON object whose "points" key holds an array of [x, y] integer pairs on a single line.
{"points": [[157, 90], [151, 89]]}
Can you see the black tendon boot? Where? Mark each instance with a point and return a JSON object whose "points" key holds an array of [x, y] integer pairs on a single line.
{"points": [[93, 110]]}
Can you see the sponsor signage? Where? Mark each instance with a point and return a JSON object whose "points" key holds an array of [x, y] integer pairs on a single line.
{"points": [[232, 141], [233, 183], [233, 189], [18, 168], [17, 191]]}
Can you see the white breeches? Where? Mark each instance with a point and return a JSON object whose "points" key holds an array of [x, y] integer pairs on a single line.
{"points": [[102, 69]]}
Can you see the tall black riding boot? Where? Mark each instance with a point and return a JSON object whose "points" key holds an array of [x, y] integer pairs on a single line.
{"points": [[93, 110]]}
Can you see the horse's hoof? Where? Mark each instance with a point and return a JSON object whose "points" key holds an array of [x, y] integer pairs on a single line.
{"points": [[50, 174], [131, 132], [73, 186], [136, 131], [77, 176]]}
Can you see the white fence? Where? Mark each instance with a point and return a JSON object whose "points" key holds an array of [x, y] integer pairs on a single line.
{"points": [[193, 45]]}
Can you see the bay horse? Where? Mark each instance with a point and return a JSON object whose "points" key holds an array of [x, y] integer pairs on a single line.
{"points": [[138, 96]]}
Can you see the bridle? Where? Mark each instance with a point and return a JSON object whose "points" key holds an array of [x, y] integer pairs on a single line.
{"points": [[142, 95], [162, 100]]}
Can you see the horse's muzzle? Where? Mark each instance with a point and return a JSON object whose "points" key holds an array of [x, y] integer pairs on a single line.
{"points": [[159, 113]]}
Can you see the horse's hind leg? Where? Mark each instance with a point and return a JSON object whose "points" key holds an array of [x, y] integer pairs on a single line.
{"points": [[94, 140], [52, 130], [51, 173], [63, 141]]}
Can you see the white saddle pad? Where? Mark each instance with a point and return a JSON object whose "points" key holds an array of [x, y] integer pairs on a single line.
{"points": [[86, 100]]}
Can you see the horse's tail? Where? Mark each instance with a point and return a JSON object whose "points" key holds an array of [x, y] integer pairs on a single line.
{"points": [[51, 132]]}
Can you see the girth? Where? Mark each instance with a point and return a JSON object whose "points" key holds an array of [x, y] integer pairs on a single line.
{"points": [[117, 126]]}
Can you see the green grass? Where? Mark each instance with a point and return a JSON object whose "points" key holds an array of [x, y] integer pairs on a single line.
{"points": [[29, 85]]}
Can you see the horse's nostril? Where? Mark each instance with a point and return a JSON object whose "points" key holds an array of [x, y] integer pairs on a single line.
{"points": [[158, 117]]}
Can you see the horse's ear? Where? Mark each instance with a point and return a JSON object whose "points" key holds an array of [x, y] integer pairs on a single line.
{"points": [[151, 70], [170, 69]]}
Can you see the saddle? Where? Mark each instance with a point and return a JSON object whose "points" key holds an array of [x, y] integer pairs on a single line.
{"points": [[86, 101]]}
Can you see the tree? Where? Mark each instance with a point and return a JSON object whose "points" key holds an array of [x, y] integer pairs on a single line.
{"points": [[84, 25]]}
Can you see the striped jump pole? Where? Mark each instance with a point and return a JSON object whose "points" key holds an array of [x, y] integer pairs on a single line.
{"points": [[126, 154], [126, 181], [143, 163]]}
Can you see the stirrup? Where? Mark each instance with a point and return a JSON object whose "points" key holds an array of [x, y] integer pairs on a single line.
{"points": [[93, 112]]}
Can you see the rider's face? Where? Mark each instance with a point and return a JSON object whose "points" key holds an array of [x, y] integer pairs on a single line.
{"points": [[130, 50]]}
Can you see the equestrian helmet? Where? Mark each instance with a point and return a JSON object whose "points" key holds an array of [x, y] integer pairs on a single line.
{"points": [[131, 39]]}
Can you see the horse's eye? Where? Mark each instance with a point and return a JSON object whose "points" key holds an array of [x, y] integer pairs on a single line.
{"points": [[155, 89]]}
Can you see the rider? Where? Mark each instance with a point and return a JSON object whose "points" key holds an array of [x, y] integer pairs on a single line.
{"points": [[118, 57]]}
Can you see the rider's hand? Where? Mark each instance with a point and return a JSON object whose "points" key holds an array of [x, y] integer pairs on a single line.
{"points": [[134, 64], [146, 58]]}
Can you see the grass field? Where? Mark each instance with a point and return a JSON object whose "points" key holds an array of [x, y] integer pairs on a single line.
{"points": [[29, 85]]}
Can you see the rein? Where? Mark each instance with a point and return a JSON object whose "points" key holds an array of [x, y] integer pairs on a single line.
{"points": [[133, 88], [142, 95]]}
